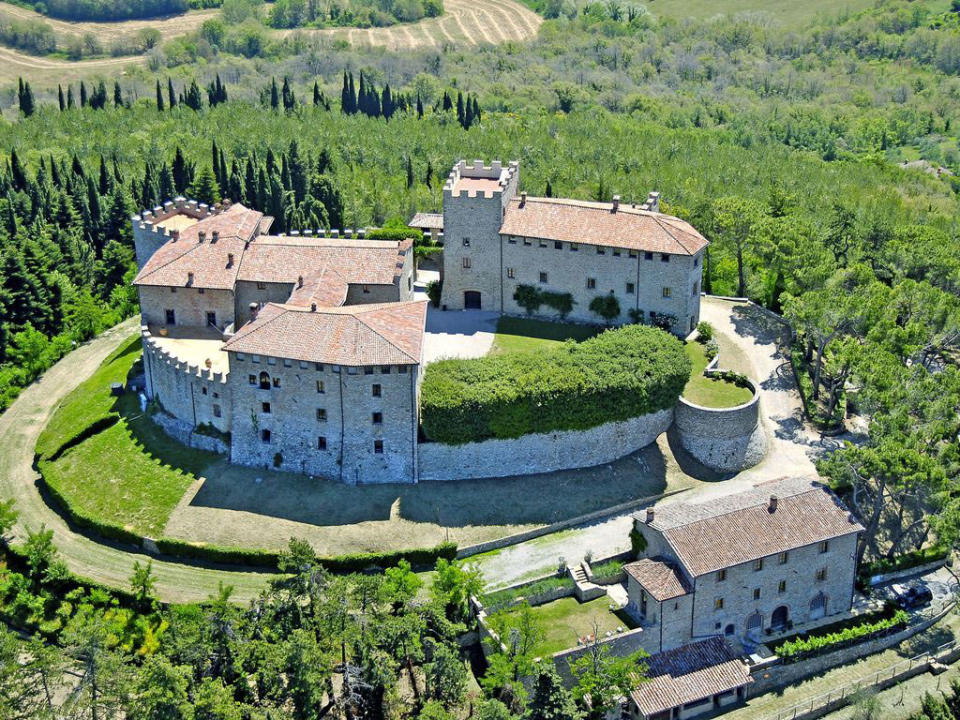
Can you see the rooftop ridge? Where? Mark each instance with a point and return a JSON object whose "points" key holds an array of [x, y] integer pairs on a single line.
{"points": [[599, 205]]}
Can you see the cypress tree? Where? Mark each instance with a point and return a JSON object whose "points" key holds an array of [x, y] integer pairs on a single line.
{"points": [[166, 188], [386, 102], [353, 95], [345, 96], [60, 99], [69, 97], [223, 169], [447, 102], [104, 184], [98, 98], [289, 99], [362, 105], [548, 191], [193, 98], [18, 176], [409, 172], [181, 172], [468, 116], [215, 156], [460, 114], [274, 94], [428, 179], [419, 107], [171, 95], [250, 183], [476, 110], [26, 98], [235, 186], [159, 97], [117, 94]]}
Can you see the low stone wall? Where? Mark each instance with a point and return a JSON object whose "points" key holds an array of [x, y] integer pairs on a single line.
{"points": [[907, 572], [724, 439], [626, 643], [184, 434], [541, 452]]}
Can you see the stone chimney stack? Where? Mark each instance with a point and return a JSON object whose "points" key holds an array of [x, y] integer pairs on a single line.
{"points": [[229, 259], [175, 234], [299, 281], [773, 503], [214, 236], [313, 307], [201, 236], [523, 198], [616, 203], [653, 201], [253, 311], [651, 514], [189, 278]]}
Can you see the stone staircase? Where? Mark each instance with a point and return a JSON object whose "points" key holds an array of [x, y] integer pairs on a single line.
{"points": [[583, 589]]}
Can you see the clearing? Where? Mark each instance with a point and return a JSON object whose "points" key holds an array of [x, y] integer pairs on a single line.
{"points": [[710, 392]]}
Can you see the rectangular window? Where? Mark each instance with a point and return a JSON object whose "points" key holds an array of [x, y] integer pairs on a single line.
{"points": [[367, 370], [171, 317], [601, 250], [385, 369], [261, 286], [377, 390], [574, 247], [255, 358], [200, 291], [173, 289], [721, 575], [630, 288], [591, 283], [666, 292], [241, 356], [647, 255], [265, 407], [320, 386], [824, 546], [527, 242], [557, 245], [718, 604], [616, 252], [322, 414], [512, 240], [756, 593], [782, 587], [276, 381], [287, 362], [366, 289], [543, 277], [303, 365], [377, 418], [466, 242], [216, 411], [271, 361], [782, 558], [252, 379], [543, 243], [321, 443], [212, 319], [203, 391], [632, 253], [378, 447], [510, 273], [821, 574], [318, 367], [664, 257], [466, 263], [758, 565], [402, 369], [265, 436]]}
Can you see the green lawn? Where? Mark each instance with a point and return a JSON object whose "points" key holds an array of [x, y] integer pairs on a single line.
{"points": [[91, 401], [566, 619], [525, 334], [708, 392], [116, 476]]}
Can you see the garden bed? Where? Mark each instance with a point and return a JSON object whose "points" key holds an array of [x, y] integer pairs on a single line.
{"points": [[840, 635]]}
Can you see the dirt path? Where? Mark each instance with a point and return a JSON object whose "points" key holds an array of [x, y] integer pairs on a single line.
{"points": [[19, 427]]}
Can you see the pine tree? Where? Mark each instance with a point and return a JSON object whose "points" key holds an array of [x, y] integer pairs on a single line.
{"points": [[117, 95], [205, 187], [159, 97], [194, 98], [60, 99], [171, 95]]}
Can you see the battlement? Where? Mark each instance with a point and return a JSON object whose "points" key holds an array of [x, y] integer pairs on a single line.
{"points": [[479, 180], [156, 349], [149, 221]]}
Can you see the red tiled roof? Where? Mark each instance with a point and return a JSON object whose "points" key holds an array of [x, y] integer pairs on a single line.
{"points": [[433, 221], [377, 334], [658, 577], [597, 224], [700, 533], [689, 673]]}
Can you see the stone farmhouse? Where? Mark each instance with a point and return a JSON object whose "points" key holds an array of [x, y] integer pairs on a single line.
{"points": [[496, 239], [779, 555], [304, 351]]}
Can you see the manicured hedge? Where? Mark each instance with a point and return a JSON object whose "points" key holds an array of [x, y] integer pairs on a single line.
{"points": [[905, 561], [792, 650], [616, 375], [395, 233], [97, 426]]}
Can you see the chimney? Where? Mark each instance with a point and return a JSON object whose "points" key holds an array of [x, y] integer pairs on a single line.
{"points": [[651, 513], [175, 235], [653, 200], [189, 278], [201, 236], [229, 259], [253, 311], [299, 281], [616, 203], [523, 198], [773, 503], [313, 307], [214, 236]]}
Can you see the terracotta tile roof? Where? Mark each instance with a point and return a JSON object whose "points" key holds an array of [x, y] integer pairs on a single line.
{"points": [[433, 221], [377, 334], [473, 186], [658, 577], [689, 673], [596, 224], [719, 532]]}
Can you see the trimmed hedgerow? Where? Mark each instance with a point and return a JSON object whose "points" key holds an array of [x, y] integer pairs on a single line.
{"points": [[499, 598], [907, 560], [617, 375], [802, 647]]}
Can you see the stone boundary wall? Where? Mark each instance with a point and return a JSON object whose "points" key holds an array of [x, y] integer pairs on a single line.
{"points": [[541, 452], [620, 645], [184, 434], [907, 572], [724, 439]]}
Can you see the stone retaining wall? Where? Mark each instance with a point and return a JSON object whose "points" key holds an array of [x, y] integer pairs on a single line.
{"points": [[724, 439], [541, 452], [184, 434]]}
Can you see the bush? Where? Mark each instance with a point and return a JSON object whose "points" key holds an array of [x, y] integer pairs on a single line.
{"points": [[395, 233], [530, 298], [539, 587], [607, 570], [615, 376], [704, 332], [792, 650], [905, 561], [434, 288]]}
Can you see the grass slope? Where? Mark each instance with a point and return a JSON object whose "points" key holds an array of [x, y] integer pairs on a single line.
{"points": [[708, 392]]}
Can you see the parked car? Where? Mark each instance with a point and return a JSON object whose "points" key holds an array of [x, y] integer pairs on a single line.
{"points": [[912, 595]]}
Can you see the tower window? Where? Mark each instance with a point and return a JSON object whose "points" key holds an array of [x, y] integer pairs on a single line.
{"points": [[321, 443], [377, 390], [591, 283], [378, 418], [378, 447], [666, 292], [265, 407], [466, 263], [322, 414], [466, 242], [320, 386], [265, 436], [511, 273], [630, 288], [543, 277]]}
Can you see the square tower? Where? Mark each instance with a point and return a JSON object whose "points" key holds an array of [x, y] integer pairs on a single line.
{"points": [[474, 201]]}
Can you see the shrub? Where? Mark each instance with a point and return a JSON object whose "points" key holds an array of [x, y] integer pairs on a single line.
{"points": [[538, 587], [905, 561], [606, 307], [711, 349], [434, 288], [704, 332], [615, 376], [530, 298], [607, 570], [395, 233]]}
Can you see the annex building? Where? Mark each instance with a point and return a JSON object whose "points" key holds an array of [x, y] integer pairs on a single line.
{"points": [[497, 239], [776, 556]]}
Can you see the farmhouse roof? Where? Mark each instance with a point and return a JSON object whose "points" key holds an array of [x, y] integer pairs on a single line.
{"points": [[431, 221], [354, 335], [767, 518], [594, 223], [688, 674], [658, 577]]}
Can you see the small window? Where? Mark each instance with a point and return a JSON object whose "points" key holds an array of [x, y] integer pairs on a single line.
{"points": [[203, 391], [591, 283], [261, 286], [782, 558], [320, 386], [402, 369], [173, 289], [321, 414], [366, 289], [212, 319], [200, 291], [631, 288], [721, 575], [647, 255], [264, 380], [171, 317], [821, 574], [377, 390], [616, 252], [318, 367], [252, 379], [718, 604], [664, 257], [632, 253], [543, 277], [367, 370], [574, 247], [265, 436], [377, 418], [276, 382], [511, 273], [271, 361], [557, 245], [303, 365], [241, 357], [666, 292], [385, 369], [216, 411], [466, 263], [321, 443], [527, 242], [756, 593], [758, 565], [265, 407], [696, 261], [543, 243], [287, 362], [824, 546], [782, 587], [466, 242], [511, 240], [378, 447], [601, 250], [717, 625], [255, 358]]}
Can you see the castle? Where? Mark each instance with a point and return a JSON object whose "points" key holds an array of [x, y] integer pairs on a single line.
{"points": [[304, 352]]}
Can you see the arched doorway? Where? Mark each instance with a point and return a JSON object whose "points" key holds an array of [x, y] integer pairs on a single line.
{"points": [[264, 380], [729, 629], [471, 299], [818, 606], [780, 617], [755, 622]]}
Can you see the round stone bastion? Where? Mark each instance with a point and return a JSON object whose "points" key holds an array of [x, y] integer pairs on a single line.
{"points": [[724, 439]]}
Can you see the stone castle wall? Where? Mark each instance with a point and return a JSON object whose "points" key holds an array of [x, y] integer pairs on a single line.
{"points": [[541, 452], [190, 306]]}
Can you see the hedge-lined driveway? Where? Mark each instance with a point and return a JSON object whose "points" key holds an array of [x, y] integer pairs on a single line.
{"points": [[20, 426]]}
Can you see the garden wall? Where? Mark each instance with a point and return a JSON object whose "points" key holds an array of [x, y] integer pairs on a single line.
{"points": [[184, 434], [541, 452], [724, 439]]}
